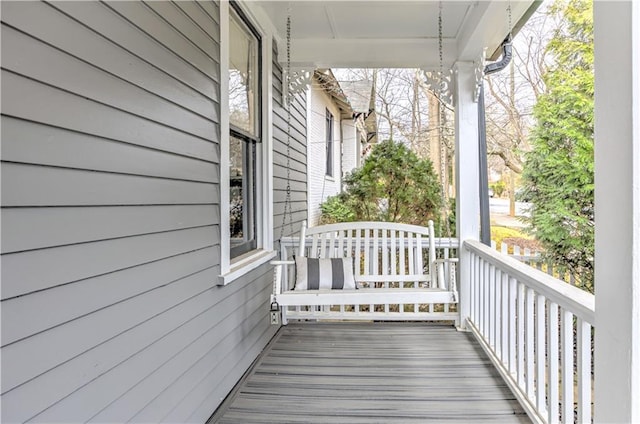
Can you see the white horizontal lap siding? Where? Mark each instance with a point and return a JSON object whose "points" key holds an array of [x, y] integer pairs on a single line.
{"points": [[111, 216], [350, 143], [322, 186], [297, 158]]}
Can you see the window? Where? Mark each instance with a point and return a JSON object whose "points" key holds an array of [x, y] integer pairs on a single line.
{"points": [[244, 133], [246, 145], [329, 130]]}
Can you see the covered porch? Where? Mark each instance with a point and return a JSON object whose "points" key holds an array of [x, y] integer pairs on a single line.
{"points": [[539, 333], [124, 299]]}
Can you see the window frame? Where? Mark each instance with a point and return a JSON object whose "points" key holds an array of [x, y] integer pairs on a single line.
{"points": [[232, 268], [249, 148], [329, 129]]}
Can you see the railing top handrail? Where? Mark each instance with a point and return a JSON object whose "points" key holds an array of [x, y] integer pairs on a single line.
{"points": [[573, 299], [440, 242]]}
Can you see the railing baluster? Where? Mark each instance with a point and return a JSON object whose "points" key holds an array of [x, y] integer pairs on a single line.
{"points": [[513, 287], [497, 310], [567, 367], [472, 287], [584, 371], [485, 300], [477, 293], [521, 328], [530, 344], [553, 352], [541, 351], [478, 290], [419, 267], [481, 281], [492, 306], [504, 322]]}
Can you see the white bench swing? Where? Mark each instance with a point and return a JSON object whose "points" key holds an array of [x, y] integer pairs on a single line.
{"points": [[362, 270], [380, 271]]}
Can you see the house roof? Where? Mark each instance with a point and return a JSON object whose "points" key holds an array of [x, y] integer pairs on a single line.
{"points": [[332, 87], [359, 94], [352, 97]]}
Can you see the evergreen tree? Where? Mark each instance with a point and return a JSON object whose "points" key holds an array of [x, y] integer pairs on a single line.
{"points": [[558, 174], [393, 185]]}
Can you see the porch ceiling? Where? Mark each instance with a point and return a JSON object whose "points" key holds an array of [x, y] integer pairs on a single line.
{"points": [[390, 33]]}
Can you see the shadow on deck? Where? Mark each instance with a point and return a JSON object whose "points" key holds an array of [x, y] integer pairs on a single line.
{"points": [[371, 373]]}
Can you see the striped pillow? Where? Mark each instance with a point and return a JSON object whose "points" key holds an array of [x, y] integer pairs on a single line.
{"points": [[330, 273]]}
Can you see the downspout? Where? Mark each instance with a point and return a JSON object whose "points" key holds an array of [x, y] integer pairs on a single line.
{"points": [[485, 220]]}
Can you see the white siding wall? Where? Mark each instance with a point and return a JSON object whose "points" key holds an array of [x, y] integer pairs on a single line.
{"points": [[110, 218], [321, 186], [350, 142]]}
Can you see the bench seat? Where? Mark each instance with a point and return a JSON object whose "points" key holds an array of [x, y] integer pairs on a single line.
{"points": [[366, 296]]}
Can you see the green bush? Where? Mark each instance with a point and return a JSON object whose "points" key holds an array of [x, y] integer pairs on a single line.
{"points": [[335, 209], [393, 185], [498, 187]]}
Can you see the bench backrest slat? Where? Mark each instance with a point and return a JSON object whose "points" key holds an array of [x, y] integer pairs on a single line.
{"points": [[401, 246], [392, 251], [383, 252], [365, 251]]}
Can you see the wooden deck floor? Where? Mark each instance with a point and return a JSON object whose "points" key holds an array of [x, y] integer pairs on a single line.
{"points": [[372, 373]]}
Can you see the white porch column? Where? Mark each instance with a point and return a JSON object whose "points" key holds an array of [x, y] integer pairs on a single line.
{"points": [[467, 174], [617, 203]]}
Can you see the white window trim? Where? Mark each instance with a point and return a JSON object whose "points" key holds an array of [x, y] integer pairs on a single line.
{"points": [[231, 270]]}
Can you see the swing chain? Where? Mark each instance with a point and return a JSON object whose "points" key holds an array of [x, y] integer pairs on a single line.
{"points": [[274, 309], [441, 129], [509, 18], [287, 201]]}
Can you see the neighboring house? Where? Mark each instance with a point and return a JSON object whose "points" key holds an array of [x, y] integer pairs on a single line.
{"points": [[145, 167], [337, 135], [361, 95]]}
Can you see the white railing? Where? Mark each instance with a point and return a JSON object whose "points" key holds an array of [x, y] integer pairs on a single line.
{"points": [[537, 330]]}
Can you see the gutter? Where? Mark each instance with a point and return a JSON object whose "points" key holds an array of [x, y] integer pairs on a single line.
{"points": [[518, 26], [483, 180]]}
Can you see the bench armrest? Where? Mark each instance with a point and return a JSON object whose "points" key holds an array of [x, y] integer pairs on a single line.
{"points": [[278, 276], [442, 280], [280, 263]]}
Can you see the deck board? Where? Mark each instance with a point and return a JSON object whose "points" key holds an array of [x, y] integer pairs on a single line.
{"points": [[372, 372]]}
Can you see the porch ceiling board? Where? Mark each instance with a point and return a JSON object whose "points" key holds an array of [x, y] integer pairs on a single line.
{"points": [[362, 373], [383, 33]]}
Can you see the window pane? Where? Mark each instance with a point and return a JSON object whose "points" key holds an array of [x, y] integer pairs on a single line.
{"points": [[329, 131], [242, 218], [243, 76]]}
